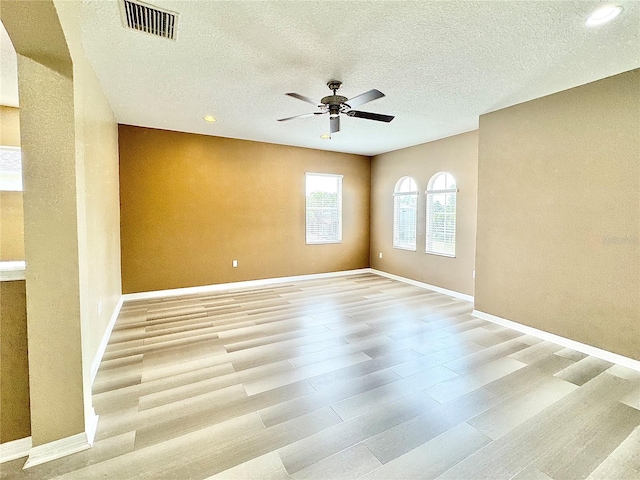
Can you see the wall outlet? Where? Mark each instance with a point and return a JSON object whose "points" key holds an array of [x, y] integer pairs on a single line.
{"points": [[380, 254], [234, 263], [473, 274]]}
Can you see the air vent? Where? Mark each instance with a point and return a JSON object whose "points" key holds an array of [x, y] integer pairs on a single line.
{"points": [[149, 19]]}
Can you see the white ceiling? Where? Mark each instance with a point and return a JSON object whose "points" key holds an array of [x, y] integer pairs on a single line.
{"points": [[440, 63]]}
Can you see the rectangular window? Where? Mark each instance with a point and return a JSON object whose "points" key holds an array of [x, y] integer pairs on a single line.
{"points": [[324, 208]]}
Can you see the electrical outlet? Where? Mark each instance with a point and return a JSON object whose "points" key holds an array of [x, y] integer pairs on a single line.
{"points": [[234, 263], [380, 254], [474, 274]]}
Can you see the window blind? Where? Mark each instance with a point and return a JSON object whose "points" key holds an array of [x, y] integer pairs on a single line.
{"points": [[405, 213], [441, 215], [323, 208]]}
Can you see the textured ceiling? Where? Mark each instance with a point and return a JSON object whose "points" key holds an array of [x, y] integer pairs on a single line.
{"points": [[441, 64]]}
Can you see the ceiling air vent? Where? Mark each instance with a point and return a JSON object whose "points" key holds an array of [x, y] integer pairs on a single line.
{"points": [[149, 19]]}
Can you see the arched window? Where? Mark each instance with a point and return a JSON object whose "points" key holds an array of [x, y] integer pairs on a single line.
{"points": [[441, 214], [405, 213]]}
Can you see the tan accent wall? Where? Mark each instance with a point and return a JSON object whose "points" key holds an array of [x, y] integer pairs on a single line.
{"points": [[9, 126], [11, 226], [457, 155], [558, 243], [15, 421], [190, 204], [11, 214]]}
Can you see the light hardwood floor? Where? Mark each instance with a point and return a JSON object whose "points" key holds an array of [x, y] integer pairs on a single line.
{"points": [[345, 378]]}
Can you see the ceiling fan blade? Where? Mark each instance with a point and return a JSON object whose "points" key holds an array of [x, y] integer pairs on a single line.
{"points": [[370, 116], [364, 98], [303, 98], [334, 123], [301, 116]]}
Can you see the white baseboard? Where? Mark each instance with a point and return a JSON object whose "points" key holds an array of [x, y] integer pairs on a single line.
{"points": [[49, 451], [562, 341], [91, 426], [451, 293], [232, 285], [95, 364], [57, 449], [15, 449]]}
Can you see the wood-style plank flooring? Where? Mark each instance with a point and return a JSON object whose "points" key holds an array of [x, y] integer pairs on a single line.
{"points": [[350, 377]]}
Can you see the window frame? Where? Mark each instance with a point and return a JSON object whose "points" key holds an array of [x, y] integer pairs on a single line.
{"points": [[429, 202], [397, 198], [307, 208]]}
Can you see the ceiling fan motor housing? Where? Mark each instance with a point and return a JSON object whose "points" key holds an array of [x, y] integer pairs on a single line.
{"points": [[334, 100]]}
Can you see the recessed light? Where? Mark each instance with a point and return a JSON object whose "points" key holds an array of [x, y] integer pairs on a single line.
{"points": [[209, 118], [325, 136], [603, 15]]}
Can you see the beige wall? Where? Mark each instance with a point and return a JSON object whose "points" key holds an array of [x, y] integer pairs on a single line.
{"points": [[51, 251], [190, 204], [50, 210], [99, 217], [457, 155], [15, 421], [558, 243], [97, 184], [70, 164]]}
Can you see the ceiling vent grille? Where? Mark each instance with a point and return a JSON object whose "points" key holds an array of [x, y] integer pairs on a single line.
{"points": [[149, 19]]}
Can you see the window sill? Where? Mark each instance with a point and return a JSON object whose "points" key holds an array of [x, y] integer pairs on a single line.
{"points": [[407, 249], [10, 271], [440, 254]]}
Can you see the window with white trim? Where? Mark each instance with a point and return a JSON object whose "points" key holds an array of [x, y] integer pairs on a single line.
{"points": [[323, 208], [441, 214], [405, 213]]}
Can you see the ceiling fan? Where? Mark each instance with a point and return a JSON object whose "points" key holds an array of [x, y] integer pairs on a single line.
{"points": [[335, 104]]}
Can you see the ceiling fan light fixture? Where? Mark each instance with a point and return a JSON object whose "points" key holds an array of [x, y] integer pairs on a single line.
{"points": [[603, 15], [209, 118]]}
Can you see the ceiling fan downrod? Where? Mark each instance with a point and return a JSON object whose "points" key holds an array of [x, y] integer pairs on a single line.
{"points": [[335, 103]]}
